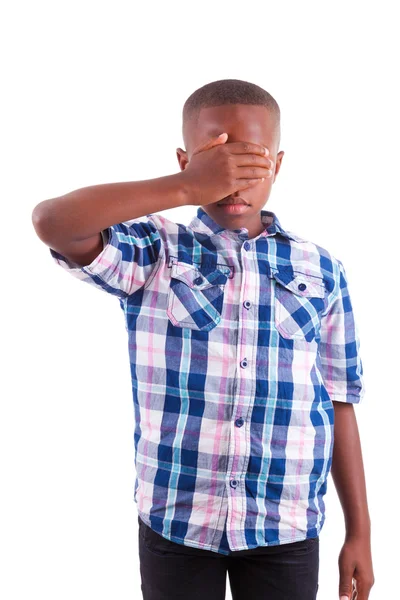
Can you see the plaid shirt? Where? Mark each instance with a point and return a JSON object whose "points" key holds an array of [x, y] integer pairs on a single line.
{"points": [[237, 349]]}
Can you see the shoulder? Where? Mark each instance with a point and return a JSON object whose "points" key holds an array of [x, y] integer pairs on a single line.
{"points": [[152, 227], [161, 223], [306, 245], [308, 254]]}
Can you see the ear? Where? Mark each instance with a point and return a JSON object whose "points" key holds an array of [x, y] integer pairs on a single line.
{"points": [[278, 163], [182, 158]]}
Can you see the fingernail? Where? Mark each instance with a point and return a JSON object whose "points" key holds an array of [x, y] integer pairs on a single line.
{"points": [[344, 598]]}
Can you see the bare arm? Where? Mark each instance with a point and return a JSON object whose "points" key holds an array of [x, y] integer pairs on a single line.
{"points": [[71, 224], [355, 560], [348, 471]]}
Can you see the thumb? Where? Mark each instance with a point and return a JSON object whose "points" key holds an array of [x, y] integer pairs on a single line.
{"points": [[214, 141], [345, 587]]}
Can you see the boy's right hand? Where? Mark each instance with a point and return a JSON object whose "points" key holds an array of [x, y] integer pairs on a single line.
{"points": [[217, 169]]}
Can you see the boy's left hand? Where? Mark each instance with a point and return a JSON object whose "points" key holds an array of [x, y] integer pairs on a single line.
{"points": [[355, 563]]}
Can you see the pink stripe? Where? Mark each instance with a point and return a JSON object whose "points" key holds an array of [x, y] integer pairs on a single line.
{"points": [[219, 438], [145, 416]]}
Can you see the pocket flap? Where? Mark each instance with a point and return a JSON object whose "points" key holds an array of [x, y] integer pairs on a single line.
{"points": [[301, 284], [196, 279]]}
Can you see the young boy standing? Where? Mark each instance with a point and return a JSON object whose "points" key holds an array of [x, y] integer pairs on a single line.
{"points": [[244, 358]]}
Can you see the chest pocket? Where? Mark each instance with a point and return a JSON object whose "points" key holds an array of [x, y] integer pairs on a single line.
{"points": [[196, 295], [299, 299]]}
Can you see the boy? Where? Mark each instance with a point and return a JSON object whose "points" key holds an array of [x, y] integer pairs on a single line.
{"points": [[248, 356]]}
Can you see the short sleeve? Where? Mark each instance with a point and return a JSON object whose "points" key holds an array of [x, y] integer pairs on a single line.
{"points": [[339, 349], [132, 251]]}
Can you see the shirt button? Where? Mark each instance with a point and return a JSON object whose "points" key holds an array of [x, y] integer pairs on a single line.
{"points": [[246, 246], [233, 483], [247, 304], [239, 422], [198, 280], [302, 286], [243, 363]]}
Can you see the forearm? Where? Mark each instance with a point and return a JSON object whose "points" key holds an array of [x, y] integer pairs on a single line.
{"points": [[85, 212], [348, 471]]}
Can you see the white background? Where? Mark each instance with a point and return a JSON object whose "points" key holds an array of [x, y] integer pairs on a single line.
{"points": [[93, 93]]}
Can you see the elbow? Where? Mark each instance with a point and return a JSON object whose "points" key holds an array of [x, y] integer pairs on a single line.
{"points": [[42, 218]]}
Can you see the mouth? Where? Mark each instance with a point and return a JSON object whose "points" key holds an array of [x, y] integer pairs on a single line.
{"points": [[230, 200], [233, 206]]}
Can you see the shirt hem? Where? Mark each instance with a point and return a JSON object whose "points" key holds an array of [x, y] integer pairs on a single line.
{"points": [[350, 398], [194, 544]]}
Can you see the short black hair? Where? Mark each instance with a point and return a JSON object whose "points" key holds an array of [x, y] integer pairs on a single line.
{"points": [[228, 91]]}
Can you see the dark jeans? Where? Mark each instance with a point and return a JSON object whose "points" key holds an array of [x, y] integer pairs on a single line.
{"points": [[171, 571]]}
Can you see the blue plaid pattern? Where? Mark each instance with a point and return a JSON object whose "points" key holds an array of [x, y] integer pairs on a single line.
{"points": [[237, 347]]}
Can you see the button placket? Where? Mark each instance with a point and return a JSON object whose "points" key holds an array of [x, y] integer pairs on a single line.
{"points": [[238, 447]]}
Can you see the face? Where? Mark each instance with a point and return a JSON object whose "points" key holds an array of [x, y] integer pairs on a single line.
{"points": [[242, 123]]}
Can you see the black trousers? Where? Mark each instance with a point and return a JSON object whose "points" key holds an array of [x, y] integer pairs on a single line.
{"points": [[171, 571]]}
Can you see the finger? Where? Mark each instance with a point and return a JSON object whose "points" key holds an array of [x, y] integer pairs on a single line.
{"points": [[346, 585], [247, 148], [253, 160], [253, 173], [243, 184], [363, 590], [354, 595], [214, 141]]}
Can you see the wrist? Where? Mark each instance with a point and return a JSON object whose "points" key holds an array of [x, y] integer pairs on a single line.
{"points": [[361, 529], [189, 192]]}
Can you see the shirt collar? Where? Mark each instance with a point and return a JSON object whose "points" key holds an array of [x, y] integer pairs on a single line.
{"points": [[203, 223]]}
